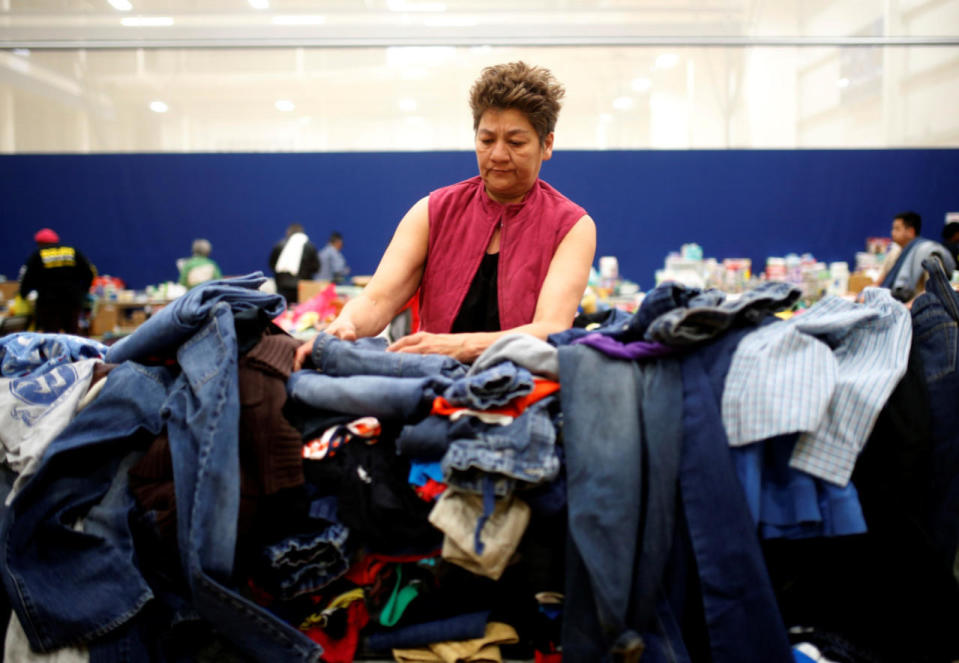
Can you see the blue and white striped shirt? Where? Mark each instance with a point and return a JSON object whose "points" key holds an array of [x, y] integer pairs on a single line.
{"points": [[826, 373]]}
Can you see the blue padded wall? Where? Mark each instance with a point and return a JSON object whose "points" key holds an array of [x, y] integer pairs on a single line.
{"points": [[135, 214]]}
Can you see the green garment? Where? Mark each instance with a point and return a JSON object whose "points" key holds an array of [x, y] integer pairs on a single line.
{"points": [[197, 270]]}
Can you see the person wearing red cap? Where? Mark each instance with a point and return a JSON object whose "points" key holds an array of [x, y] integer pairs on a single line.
{"points": [[61, 275]]}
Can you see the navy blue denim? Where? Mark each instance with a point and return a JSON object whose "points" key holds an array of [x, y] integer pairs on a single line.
{"points": [[373, 395], [494, 387], [742, 616], [164, 331], [368, 356], [614, 321], [622, 440], [427, 439], [305, 563], [430, 438], [678, 315], [524, 450], [70, 586], [935, 321], [703, 318], [461, 627], [28, 353], [663, 299]]}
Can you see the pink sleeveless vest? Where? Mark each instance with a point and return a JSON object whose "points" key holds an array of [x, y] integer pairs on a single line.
{"points": [[462, 221]]}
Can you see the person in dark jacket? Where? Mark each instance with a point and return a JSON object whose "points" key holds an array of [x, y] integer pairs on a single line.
{"points": [[61, 276], [292, 259], [950, 239]]}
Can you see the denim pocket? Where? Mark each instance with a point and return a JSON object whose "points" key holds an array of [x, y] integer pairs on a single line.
{"points": [[938, 349], [213, 357]]}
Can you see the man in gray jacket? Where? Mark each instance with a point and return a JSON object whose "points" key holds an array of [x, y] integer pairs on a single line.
{"points": [[906, 279]]}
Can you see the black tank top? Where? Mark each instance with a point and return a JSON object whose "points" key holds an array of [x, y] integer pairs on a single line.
{"points": [[480, 309]]}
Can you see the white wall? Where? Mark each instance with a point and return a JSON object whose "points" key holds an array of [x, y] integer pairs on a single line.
{"points": [[414, 98]]}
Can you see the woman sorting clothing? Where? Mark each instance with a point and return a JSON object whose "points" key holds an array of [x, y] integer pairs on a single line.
{"points": [[503, 252]]}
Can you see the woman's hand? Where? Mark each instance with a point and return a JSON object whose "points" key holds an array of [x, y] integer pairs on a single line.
{"points": [[302, 353], [342, 328], [456, 346]]}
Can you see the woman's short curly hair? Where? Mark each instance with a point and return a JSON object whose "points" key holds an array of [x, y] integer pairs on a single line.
{"points": [[530, 90]]}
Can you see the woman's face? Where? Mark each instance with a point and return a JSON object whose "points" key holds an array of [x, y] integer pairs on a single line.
{"points": [[509, 153]]}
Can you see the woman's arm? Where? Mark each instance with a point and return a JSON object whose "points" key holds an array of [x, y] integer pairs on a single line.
{"points": [[396, 279], [556, 306]]}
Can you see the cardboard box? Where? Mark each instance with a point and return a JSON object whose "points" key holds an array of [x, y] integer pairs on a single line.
{"points": [[137, 317], [8, 289], [104, 319], [306, 290], [858, 281]]}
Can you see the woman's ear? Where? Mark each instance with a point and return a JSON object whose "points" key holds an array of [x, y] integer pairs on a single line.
{"points": [[548, 146]]}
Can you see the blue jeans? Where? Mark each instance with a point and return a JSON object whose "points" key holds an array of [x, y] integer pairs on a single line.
{"points": [[461, 627], [94, 586], [70, 586], [163, 332], [742, 616], [28, 353], [524, 450], [622, 440], [372, 395], [368, 356], [616, 321], [935, 320], [202, 413], [494, 387], [304, 563], [703, 318]]}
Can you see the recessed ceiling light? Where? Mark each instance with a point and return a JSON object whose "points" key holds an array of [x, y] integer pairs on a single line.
{"points": [[406, 6], [842, 82], [623, 103], [159, 107], [121, 5], [259, 4], [449, 22], [408, 105], [666, 60], [147, 21], [284, 105], [641, 84], [305, 19]]}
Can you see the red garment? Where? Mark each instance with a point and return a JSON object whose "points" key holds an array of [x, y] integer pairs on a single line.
{"points": [[462, 220], [541, 389], [430, 490], [342, 650], [363, 572], [554, 657]]}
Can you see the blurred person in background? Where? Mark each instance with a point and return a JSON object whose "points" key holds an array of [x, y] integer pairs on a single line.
{"points": [[950, 239], [294, 258], [61, 276], [333, 265], [199, 267], [906, 278]]}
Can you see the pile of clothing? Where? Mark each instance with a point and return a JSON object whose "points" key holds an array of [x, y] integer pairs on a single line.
{"points": [[649, 488]]}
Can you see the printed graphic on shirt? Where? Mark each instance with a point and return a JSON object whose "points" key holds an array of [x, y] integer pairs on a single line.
{"points": [[41, 390], [200, 274], [58, 256]]}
